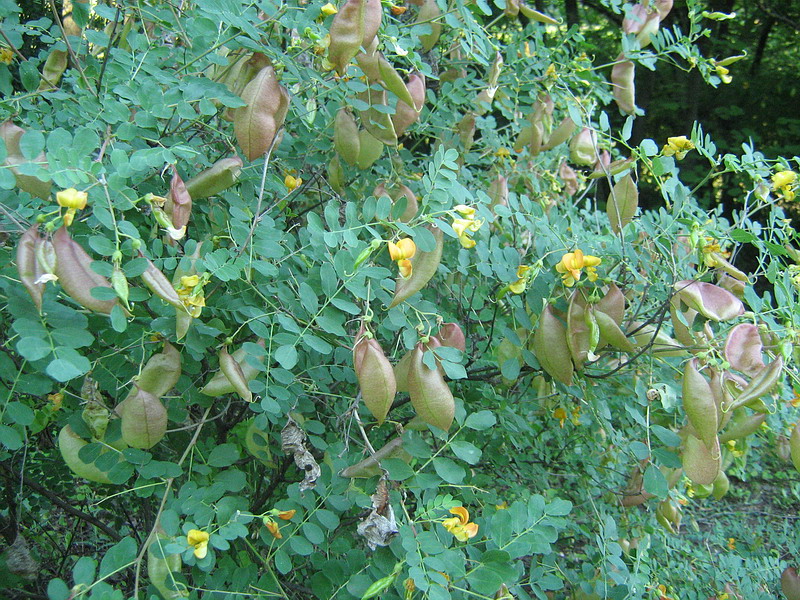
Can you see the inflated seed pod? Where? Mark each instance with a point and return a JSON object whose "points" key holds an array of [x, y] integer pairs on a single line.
{"points": [[579, 339], [550, 347], [370, 466], [391, 80], [53, 69], [234, 374], [451, 335], [430, 14], [741, 425], [179, 201], [429, 393], [161, 569], [660, 343], [256, 124], [376, 121], [711, 301], [161, 373], [763, 382], [701, 463], [794, 446], [612, 303], [69, 444], [610, 333], [396, 192], [336, 174], [423, 268], [498, 192], [699, 404], [144, 419], [345, 136], [583, 148], [535, 15], [354, 26], [73, 268], [743, 349], [560, 134], [370, 149], [158, 283], [624, 85], [376, 378], [407, 113], [790, 583], [219, 384], [720, 486], [368, 61], [28, 266], [11, 135], [218, 177], [403, 365]]}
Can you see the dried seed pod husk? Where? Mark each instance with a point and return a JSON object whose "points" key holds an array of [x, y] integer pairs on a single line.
{"points": [[256, 124], [144, 419], [161, 569], [370, 149], [219, 384], [218, 177], [430, 395], [354, 26], [370, 466], [234, 374], [701, 463], [430, 13], [73, 268], [28, 266], [345, 136], [699, 404], [375, 377], [550, 347], [466, 130], [424, 265]]}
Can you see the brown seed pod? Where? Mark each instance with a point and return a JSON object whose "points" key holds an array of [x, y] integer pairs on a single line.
{"points": [[235, 375], [701, 463], [355, 25], [429, 14], [450, 334], [407, 113], [396, 192], [375, 376], [69, 444], [73, 268]]}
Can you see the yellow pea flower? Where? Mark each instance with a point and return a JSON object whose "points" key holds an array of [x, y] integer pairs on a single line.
{"points": [[329, 9], [561, 415], [6, 56], [522, 280], [199, 541], [459, 525], [273, 528], [286, 515], [783, 179], [292, 183], [191, 294], [73, 201], [723, 74], [402, 250], [463, 228], [502, 153], [677, 146], [571, 265], [468, 212]]}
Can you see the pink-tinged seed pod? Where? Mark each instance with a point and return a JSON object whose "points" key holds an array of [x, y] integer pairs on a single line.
{"points": [[11, 135], [743, 349], [498, 192], [583, 148], [430, 14], [663, 7], [179, 200], [623, 80], [257, 123], [569, 177], [613, 303], [709, 300], [355, 25], [701, 463], [699, 404], [429, 393], [622, 203], [376, 379], [74, 272], [762, 383], [369, 61], [560, 134], [790, 583], [219, 384], [235, 375], [466, 130], [396, 192], [635, 18], [578, 335], [550, 347], [450, 334], [407, 114], [28, 266], [402, 366], [610, 332], [392, 82]]}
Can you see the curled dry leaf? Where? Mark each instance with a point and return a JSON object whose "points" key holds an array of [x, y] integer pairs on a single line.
{"points": [[380, 526], [293, 442]]}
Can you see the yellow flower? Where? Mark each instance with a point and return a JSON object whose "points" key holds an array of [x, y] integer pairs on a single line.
{"points": [[723, 74], [571, 264], [398, 10], [561, 415], [502, 506], [522, 280], [329, 9], [502, 153], [731, 543], [403, 249], [190, 281], [273, 528], [459, 525], [468, 212], [191, 294], [6, 56], [783, 179], [463, 228], [56, 400], [199, 541], [678, 147], [292, 183], [286, 515], [73, 201]]}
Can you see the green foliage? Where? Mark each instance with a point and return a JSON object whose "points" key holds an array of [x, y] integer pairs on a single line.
{"points": [[560, 476]]}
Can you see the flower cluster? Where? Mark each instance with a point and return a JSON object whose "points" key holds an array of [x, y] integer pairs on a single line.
{"points": [[466, 225], [783, 183], [272, 525], [523, 276], [6, 56], [677, 147], [73, 201], [572, 263], [199, 541], [402, 252], [191, 294], [459, 525]]}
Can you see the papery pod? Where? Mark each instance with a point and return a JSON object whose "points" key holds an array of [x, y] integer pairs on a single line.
{"points": [[391, 80], [256, 124], [610, 333], [53, 69], [161, 373], [160, 569], [669, 516], [583, 148], [95, 413], [144, 419], [234, 374], [578, 335], [709, 300], [634, 493], [733, 285], [377, 122], [257, 442], [790, 583], [635, 18], [663, 7], [512, 8], [701, 463], [370, 466], [684, 333], [424, 265], [743, 349], [218, 177], [242, 72], [179, 201], [375, 377], [401, 368], [406, 114], [762, 383], [28, 266], [698, 403], [451, 335], [396, 192], [355, 25], [649, 29], [429, 393], [722, 398], [612, 303], [794, 446], [69, 444], [605, 168], [550, 347], [622, 204], [429, 14], [368, 61], [73, 268], [720, 486], [370, 149], [535, 15], [158, 283], [524, 138], [336, 174], [345, 136], [498, 192], [11, 135], [466, 130], [662, 345], [219, 384], [741, 425], [561, 134]]}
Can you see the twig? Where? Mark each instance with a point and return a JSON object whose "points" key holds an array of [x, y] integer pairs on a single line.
{"points": [[70, 51]]}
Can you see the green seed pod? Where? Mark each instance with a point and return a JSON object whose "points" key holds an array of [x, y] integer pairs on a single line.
{"points": [[375, 376], [376, 121], [429, 14], [219, 384], [69, 444], [120, 283], [612, 303], [698, 402], [466, 130], [76, 275], [368, 61], [550, 347], [161, 569], [345, 137], [761, 384], [235, 375], [611, 334], [535, 15], [790, 583], [391, 81], [157, 283], [561, 134], [721, 486], [53, 69], [742, 425], [423, 268], [794, 446], [395, 193], [622, 203], [218, 177], [701, 463], [336, 174], [161, 373], [498, 192], [144, 419], [429, 393], [355, 25], [583, 148], [578, 335], [256, 124], [95, 413], [28, 267], [407, 113], [370, 149]]}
